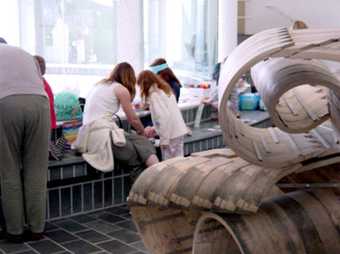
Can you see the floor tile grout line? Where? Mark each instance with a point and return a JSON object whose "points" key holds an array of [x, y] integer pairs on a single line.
{"points": [[102, 233], [47, 238], [128, 244], [60, 252], [22, 251], [69, 241], [113, 238], [78, 238]]}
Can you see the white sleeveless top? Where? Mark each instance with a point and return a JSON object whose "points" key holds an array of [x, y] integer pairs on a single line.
{"points": [[101, 102]]}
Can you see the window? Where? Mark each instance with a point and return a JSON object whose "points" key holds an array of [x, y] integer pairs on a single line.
{"points": [[184, 32], [77, 31], [87, 37]]}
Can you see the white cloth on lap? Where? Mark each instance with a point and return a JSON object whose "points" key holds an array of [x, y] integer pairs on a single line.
{"points": [[95, 140]]}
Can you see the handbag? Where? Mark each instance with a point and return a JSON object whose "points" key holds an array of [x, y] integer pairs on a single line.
{"points": [[118, 137]]}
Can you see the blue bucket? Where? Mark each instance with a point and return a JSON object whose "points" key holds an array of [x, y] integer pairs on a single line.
{"points": [[249, 101]]}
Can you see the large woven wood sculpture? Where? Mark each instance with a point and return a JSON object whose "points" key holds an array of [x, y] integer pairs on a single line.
{"points": [[244, 199]]}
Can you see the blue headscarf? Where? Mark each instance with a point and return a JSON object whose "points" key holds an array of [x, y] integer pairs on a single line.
{"points": [[156, 69]]}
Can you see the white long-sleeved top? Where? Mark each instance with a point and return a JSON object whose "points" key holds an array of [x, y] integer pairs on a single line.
{"points": [[166, 116]]}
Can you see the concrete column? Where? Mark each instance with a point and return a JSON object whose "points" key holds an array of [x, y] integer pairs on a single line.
{"points": [[130, 34], [227, 28]]}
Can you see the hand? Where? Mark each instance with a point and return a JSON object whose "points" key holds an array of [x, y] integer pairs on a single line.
{"points": [[137, 106], [150, 132]]}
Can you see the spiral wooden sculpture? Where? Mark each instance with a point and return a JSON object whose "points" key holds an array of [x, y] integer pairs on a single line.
{"points": [[229, 200]]}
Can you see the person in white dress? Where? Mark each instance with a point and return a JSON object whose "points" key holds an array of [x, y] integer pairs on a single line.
{"points": [[167, 119]]}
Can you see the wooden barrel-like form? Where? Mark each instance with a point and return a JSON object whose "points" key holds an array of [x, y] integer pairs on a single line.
{"points": [[165, 231], [302, 109], [298, 222], [172, 203], [294, 107]]}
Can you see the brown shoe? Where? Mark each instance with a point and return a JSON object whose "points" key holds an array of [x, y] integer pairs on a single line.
{"points": [[31, 236]]}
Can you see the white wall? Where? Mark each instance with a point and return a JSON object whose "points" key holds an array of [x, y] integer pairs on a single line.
{"points": [[264, 14], [9, 21], [130, 33]]}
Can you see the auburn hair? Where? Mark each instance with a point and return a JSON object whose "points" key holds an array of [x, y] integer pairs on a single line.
{"points": [[124, 74], [166, 74], [147, 79]]}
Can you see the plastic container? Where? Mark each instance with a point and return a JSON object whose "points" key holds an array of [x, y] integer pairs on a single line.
{"points": [[262, 106], [249, 101]]}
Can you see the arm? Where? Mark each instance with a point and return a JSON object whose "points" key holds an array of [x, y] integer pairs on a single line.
{"points": [[124, 98]]}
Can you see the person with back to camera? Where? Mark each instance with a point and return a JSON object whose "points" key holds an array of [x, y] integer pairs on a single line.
{"points": [[167, 119], [48, 90], [99, 139], [161, 68], [24, 128]]}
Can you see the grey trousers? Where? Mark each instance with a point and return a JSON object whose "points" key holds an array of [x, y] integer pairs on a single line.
{"points": [[24, 137]]}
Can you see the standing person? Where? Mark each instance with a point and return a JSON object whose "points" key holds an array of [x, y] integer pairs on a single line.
{"points": [[24, 128], [96, 137], [161, 68], [166, 117], [48, 90]]}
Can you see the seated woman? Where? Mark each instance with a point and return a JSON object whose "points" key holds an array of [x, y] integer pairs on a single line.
{"points": [[99, 139], [160, 67]]}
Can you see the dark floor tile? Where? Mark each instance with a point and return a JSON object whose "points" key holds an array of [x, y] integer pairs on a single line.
{"points": [[12, 247], [102, 227], [82, 218], [118, 210], [50, 226], [126, 216], [81, 247], [111, 218], [28, 252], [46, 247], [97, 214], [128, 224], [125, 236], [92, 236], [139, 245], [70, 225], [60, 236], [116, 247]]}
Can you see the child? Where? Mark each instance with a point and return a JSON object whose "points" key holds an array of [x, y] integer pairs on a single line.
{"points": [[161, 68], [167, 119]]}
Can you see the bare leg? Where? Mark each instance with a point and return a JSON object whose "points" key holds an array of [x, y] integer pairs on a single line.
{"points": [[152, 160]]}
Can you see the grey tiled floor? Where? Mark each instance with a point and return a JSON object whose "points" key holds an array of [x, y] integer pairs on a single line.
{"points": [[103, 232]]}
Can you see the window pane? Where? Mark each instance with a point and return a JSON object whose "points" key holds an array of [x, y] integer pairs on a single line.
{"points": [[184, 32], [77, 31]]}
